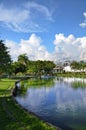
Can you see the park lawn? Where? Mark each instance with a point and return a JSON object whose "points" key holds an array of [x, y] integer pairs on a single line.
{"points": [[12, 116]]}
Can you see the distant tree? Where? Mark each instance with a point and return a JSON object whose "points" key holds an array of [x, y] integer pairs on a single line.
{"points": [[75, 65], [5, 58], [82, 65], [21, 65], [48, 66], [40, 67], [78, 65], [23, 59]]}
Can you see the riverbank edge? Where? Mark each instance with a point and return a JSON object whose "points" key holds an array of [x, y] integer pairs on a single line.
{"points": [[32, 113], [12, 121]]}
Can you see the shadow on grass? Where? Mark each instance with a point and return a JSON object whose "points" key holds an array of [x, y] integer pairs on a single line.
{"points": [[15, 118], [2, 91]]}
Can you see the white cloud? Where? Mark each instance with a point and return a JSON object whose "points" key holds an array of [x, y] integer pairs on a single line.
{"points": [[40, 8], [66, 48], [83, 24], [24, 18], [84, 14], [69, 47], [32, 47], [13, 15]]}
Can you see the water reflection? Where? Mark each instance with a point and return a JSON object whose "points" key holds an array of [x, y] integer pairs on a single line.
{"points": [[59, 103], [76, 82]]}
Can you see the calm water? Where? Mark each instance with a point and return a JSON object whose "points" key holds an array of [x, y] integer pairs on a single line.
{"points": [[61, 102]]}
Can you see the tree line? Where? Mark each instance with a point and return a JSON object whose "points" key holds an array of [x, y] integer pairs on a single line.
{"points": [[81, 65], [25, 66]]}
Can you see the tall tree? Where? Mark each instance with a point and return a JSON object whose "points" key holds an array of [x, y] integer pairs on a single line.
{"points": [[5, 58]]}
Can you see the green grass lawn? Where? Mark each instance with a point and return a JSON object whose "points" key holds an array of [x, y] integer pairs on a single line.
{"points": [[12, 116]]}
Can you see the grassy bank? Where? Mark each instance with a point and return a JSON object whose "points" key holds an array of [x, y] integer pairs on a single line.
{"points": [[72, 74], [12, 116]]}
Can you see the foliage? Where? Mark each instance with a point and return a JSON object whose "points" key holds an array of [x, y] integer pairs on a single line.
{"points": [[19, 67], [23, 59], [5, 59], [40, 67], [48, 66], [21, 64], [78, 65], [24, 65]]}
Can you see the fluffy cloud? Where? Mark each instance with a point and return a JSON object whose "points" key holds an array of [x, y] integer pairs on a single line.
{"points": [[83, 24], [24, 18], [69, 47], [66, 48], [32, 47]]}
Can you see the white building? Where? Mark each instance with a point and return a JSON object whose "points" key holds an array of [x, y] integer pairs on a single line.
{"points": [[69, 69]]}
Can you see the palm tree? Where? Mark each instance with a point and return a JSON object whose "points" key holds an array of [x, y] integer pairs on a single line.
{"points": [[23, 59]]}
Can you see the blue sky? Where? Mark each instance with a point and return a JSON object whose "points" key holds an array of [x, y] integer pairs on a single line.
{"points": [[45, 30]]}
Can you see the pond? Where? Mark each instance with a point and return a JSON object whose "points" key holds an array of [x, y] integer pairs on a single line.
{"points": [[59, 101]]}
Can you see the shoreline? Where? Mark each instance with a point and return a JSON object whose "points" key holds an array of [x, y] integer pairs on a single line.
{"points": [[32, 113], [13, 115]]}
